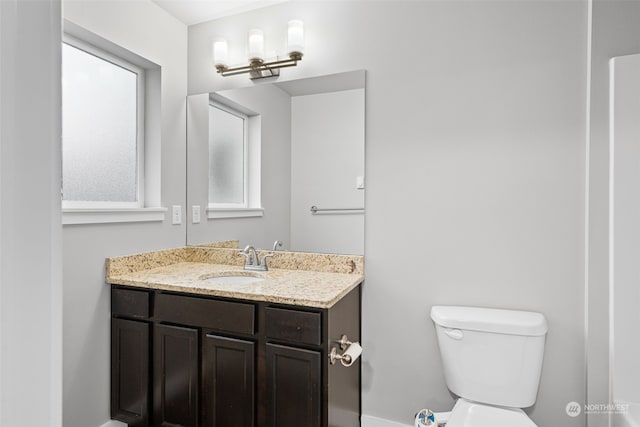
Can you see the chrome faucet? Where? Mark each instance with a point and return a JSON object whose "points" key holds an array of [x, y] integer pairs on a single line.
{"points": [[252, 260], [276, 244], [250, 255]]}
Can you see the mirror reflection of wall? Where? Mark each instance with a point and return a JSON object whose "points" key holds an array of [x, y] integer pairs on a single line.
{"points": [[304, 148], [327, 159]]}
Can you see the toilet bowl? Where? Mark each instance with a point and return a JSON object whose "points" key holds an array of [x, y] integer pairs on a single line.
{"points": [[471, 414], [492, 360]]}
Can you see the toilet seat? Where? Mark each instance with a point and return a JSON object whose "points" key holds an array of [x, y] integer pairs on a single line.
{"points": [[471, 414]]}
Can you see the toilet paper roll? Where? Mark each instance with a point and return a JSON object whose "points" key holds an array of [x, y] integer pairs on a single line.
{"points": [[351, 354]]}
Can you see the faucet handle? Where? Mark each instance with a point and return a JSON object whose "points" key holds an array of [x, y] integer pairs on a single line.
{"points": [[263, 263], [249, 253], [247, 257]]}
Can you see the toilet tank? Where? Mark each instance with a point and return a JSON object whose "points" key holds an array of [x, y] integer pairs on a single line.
{"points": [[490, 355]]}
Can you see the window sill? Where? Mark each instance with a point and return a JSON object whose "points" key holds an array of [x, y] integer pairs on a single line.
{"points": [[72, 216], [217, 213]]}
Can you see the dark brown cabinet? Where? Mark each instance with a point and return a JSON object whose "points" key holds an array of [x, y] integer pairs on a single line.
{"points": [[228, 382], [294, 387], [175, 376], [198, 361], [130, 371]]}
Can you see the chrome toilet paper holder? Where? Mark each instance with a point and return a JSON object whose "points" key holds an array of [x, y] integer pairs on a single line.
{"points": [[333, 356], [344, 345]]}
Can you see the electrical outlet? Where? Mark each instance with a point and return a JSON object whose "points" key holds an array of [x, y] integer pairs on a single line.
{"points": [[176, 214], [195, 214]]}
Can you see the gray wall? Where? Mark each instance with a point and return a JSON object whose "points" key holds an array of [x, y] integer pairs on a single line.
{"points": [[475, 173], [30, 243], [150, 32], [615, 32]]}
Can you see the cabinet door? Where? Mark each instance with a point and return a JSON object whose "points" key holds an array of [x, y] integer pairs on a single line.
{"points": [[130, 372], [175, 376], [293, 387], [228, 387]]}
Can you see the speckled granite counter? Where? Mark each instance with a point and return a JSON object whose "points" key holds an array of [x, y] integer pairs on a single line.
{"points": [[305, 279]]}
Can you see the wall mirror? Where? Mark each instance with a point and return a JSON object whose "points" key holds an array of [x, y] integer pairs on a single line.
{"points": [[281, 161]]}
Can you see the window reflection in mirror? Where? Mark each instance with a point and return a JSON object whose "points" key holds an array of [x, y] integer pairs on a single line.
{"points": [[310, 152], [227, 157]]}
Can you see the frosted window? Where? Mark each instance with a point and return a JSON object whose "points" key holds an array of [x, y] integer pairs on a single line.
{"points": [[226, 158], [99, 127]]}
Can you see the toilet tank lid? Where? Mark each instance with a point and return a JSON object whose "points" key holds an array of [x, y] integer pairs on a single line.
{"points": [[493, 320]]}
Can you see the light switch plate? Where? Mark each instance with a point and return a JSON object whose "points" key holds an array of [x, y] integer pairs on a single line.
{"points": [[176, 214], [195, 214], [360, 182]]}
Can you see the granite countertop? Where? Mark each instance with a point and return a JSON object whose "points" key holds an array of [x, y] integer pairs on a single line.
{"points": [[311, 280]]}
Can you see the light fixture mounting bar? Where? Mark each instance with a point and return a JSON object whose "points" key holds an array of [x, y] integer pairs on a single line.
{"points": [[259, 69]]}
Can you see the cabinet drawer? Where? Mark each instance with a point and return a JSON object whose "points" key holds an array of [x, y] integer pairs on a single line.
{"points": [[126, 302], [293, 325], [206, 313]]}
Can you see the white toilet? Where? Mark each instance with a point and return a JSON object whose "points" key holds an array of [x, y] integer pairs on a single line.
{"points": [[492, 360]]}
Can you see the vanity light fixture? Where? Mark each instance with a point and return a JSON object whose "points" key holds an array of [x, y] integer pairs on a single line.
{"points": [[257, 67]]}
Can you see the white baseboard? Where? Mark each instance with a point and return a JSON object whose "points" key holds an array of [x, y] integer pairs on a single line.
{"points": [[113, 423], [369, 421]]}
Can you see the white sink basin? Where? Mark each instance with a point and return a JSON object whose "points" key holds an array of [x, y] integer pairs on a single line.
{"points": [[233, 279]]}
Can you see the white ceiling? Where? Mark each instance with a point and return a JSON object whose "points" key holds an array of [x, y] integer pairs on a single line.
{"points": [[195, 11]]}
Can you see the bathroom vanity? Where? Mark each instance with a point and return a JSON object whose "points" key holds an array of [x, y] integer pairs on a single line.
{"points": [[186, 352]]}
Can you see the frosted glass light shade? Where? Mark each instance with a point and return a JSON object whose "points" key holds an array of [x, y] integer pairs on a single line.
{"points": [[220, 53], [256, 45], [295, 41]]}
